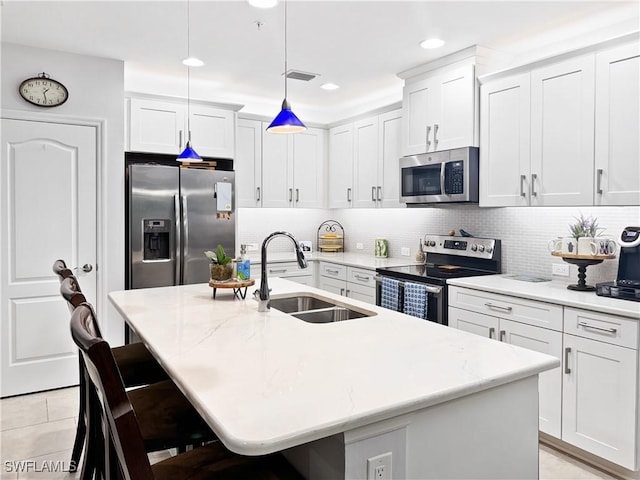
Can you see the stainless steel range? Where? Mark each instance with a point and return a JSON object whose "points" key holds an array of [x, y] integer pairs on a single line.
{"points": [[447, 257]]}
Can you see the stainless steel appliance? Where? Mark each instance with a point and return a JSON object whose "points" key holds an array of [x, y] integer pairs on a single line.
{"points": [[447, 257], [175, 214], [627, 284], [448, 176]]}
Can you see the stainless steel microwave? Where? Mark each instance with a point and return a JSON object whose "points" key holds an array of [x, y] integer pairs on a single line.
{"points": [[448, 176]]}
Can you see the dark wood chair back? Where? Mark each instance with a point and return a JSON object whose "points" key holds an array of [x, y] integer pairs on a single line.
{"points": [[124, 438], [61, 270]]}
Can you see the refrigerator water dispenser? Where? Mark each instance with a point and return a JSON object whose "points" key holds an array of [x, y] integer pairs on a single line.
{"points": [[157, 239]]}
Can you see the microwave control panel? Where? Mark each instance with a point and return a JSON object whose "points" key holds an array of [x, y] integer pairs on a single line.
{"points": [[454, 178]]}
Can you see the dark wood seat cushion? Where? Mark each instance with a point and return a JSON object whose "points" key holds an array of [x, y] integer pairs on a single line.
{"points": [[166, 417], [137, 366]]}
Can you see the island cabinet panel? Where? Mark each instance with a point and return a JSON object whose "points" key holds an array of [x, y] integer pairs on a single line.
{"points": [[357, 283], [617, 149]]}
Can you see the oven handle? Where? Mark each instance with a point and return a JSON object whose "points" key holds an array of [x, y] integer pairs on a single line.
{"points": [[429, 288]]}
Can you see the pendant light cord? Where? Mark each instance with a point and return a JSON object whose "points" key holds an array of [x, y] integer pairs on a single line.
{"points": [[285, 49], [188, 73]]}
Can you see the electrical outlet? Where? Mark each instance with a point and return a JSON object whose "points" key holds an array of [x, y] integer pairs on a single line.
{"points": [[359, 246], [405, 251], [379, 467], [561, 269], [252, 247]]}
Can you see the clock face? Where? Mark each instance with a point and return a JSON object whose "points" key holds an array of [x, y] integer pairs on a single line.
{"points": [[43, 92]]}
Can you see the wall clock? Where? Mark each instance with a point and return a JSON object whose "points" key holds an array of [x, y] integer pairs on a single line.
{"points": [[43, 91]]}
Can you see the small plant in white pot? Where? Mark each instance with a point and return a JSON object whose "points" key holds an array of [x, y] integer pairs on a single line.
{"points": [[221, 268], [584, 230]]}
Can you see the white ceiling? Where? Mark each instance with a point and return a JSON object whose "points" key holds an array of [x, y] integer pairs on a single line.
{"points": [[360, 45]]}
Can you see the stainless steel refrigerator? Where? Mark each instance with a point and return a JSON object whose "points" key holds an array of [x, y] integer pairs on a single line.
{"points": [[174, 215]]}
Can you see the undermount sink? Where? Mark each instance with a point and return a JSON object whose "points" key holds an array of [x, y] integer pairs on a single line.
{"points": [[312, 309]]}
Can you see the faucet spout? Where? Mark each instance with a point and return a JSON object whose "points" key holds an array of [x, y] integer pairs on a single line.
{"points": [[262, 295]]}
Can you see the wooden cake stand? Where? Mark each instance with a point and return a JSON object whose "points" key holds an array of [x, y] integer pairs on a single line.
{"points": [[582, 261], [239, 286]]}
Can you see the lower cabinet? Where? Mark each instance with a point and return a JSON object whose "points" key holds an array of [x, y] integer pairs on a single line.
{"points": [[357, 283], [592, 401], [289, 270]]}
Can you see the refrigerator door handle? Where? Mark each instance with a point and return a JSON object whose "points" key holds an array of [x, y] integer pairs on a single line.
{"points": [[185, 233], [176, 206]]}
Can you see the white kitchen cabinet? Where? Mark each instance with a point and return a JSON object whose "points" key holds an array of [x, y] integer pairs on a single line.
{"points": [[340, 185], [439, 111], [600, 411], [363, 163], [289, 270], [617, 123], [562, 126], [352, 282], [525, 323], [248, 163], [293, 169], [159, 126], [505, 137]]}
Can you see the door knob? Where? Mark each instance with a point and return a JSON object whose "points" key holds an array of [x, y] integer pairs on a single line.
{"points": [[87, 267]]}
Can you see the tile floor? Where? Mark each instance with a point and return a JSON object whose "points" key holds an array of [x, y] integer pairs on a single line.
{"points": [[40, 430]]}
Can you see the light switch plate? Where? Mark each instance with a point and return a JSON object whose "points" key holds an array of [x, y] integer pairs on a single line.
{"points": [[359, 246], [405, 251], [561, 269]]}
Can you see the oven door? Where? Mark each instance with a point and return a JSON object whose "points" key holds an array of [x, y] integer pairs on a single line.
{"points": [[436, 299]]}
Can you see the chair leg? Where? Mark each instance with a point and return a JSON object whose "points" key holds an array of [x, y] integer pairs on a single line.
{"points": [[81, 431]]}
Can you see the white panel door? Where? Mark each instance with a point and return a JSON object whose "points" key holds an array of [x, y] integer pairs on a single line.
{"points": [[365, 162], [157, 127], [48, 211], [419, 113], [455, 125], [562, 123], [472, 322], [248, 163], [277, 173], [504, 142], [598, 399], [341, 166], [308, 168], [617, 149], [212, 131], [389, 151]]}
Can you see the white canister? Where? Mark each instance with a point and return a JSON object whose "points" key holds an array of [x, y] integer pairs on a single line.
{"points": [[587, 246]]}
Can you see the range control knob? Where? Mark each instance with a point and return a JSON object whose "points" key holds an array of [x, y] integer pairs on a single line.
{"points": [[481, 248], [489, 249], [432, 243], [474, 247]]}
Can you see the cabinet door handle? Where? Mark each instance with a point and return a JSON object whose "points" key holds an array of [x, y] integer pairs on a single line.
{"points": [[342, 291], [599, 173], [297, 195], [362, 278], [379, 193], [533, 185], [523, 178], [492, 332], [348, 292], [499, 307], [332, 272], [593, 327], [503, 333], [435, 136], [180, 138], [373, 194], [428, 133], [290, 195], [566, 360], [349, 194], [281, 270], [257, 194]]}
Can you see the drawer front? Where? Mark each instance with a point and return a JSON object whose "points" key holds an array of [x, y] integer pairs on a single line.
{"points": [[602, 327], [288, 269], [362, 293], [531, 312], [361, 276], [333, 270]]}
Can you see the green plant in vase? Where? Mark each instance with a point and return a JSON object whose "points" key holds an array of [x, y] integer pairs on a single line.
{"points": [[221, 268], [585, 227]]}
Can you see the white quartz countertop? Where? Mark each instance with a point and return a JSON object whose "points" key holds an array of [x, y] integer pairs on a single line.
{"points": [[359, 260], [554, 291], [269, 381]]}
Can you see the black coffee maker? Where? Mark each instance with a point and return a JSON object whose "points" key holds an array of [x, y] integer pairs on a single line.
{"points": [[627, 284]]}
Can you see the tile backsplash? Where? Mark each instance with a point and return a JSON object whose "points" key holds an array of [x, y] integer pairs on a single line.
{"points": [[524, 231]]}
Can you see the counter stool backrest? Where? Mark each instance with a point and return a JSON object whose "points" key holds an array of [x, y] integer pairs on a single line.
{"points": [[126, 438], [70, 291], [60, 268]]}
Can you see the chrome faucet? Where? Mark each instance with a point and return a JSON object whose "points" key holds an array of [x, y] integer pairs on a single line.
{"points": [[262, 295]]}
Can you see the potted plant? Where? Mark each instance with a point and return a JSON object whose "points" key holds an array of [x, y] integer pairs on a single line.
{"points": [[585, 227], [221, 268]]}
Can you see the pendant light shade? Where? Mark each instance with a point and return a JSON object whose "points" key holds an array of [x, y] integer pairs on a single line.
{"points": [[286, 121], [188, 154]]}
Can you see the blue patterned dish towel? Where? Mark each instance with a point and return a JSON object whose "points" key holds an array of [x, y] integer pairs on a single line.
{"points": [[415, 300], [390, 294]]}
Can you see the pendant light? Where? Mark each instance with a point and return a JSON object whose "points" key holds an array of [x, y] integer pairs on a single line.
{"points": [[188, 154], [286, 121]]}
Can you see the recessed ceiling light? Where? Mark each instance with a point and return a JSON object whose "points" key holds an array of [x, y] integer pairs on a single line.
{"points": [[192, 62], [329, 86], [432, 43], [263, 3]]}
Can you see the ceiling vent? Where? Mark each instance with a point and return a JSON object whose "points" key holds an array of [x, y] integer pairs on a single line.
{"points": [[298, 75]]}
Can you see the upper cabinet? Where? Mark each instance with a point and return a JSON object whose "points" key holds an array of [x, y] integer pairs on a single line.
{"points": [[617, 149], [363, 162], [159, 126], [564, 133], [248, 163], [439, 110]]}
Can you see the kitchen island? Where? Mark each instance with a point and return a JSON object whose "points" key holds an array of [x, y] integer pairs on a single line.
{"points": [[434, 402]]}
